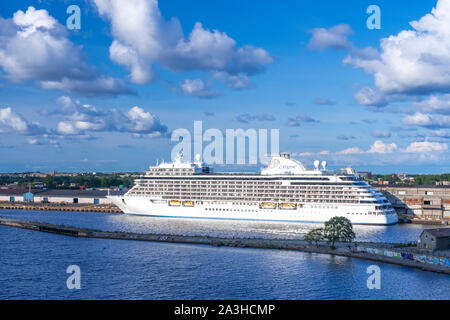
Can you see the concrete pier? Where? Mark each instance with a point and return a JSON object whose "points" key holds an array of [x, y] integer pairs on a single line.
{"points": [[347, 250]]}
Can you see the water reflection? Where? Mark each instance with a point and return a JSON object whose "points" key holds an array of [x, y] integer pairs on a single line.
{"points": [[208, 227]]}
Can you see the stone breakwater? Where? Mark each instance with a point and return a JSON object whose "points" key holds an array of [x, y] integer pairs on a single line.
{"points": [[353, 250]]}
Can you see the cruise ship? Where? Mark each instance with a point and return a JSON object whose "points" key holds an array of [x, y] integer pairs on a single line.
{"points": [[284, 191]]}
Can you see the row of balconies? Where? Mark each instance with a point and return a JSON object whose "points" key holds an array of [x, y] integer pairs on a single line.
{"points": [[256, 189], [261, 199], [278, 192]]}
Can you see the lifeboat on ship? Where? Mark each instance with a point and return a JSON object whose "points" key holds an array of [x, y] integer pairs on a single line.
{"points": [[188, 203], [267, 205], [174, 203], [288, 206]]}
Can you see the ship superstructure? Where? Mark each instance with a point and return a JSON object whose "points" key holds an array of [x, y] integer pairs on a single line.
{"points": [[283, 191]]}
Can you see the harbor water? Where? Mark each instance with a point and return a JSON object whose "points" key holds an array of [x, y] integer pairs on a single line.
{"points": [[33, 264]]}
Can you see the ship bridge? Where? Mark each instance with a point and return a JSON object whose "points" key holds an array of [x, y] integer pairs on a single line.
{"points": [[178, 167]]}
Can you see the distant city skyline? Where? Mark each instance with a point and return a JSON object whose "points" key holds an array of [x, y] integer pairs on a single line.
{"points": [[108, 96]]}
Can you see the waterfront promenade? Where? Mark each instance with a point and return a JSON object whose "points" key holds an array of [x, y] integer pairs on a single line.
{"points": [[379, 252]]}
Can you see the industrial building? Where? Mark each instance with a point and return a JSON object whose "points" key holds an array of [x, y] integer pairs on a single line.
{"points": [[58, 196], [16, 194], [431, 202]]}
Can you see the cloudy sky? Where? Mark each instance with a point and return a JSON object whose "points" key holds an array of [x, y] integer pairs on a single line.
{"points": [[107, 97]]}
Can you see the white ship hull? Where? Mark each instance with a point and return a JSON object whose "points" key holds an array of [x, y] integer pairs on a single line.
{"points": [[317, 213]]}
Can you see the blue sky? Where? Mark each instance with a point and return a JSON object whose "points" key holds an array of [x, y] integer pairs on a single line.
{"points": [[107, 97]]}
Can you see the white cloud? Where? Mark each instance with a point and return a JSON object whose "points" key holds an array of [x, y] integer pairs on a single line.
{"points": [[418, 118], [303, 154], [413, 62], [15, 123], [144, 122], [80, 119], [381, 147], [66, 128], [416, 61], [369, 97], [37, 142], [384, 153], [32, 141], [197, 88], [426, 147], [10, 120], [434, 105], [427, 120], [237, 82], [377, 147], [33, 45], [352, 150], [32, 20], [100, 86], [142, 37], [334, 37], [442, 134]]}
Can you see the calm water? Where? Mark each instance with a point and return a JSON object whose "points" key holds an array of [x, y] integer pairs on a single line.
{"points": [[33, 264]]}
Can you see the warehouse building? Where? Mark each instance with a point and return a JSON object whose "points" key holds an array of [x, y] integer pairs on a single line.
{"points": [[58, 196], [16, 194], [421, 201]]}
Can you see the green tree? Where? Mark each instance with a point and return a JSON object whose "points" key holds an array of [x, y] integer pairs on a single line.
{"points": [[49, 182], [314, 235], [338, 229]]}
